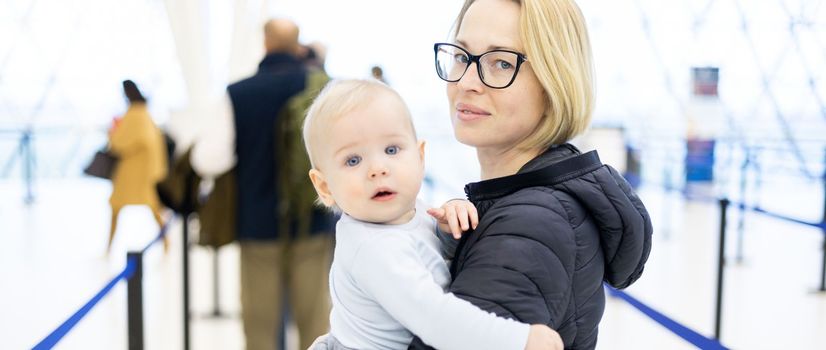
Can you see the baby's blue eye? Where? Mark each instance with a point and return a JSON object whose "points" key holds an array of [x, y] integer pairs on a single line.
{"points": [[391, 150], [353, 161]]}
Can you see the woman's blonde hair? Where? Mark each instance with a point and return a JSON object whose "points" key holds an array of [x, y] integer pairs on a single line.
{"points": [[559, 52]]}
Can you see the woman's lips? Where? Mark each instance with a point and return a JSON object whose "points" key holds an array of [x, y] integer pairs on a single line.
{"points": [[468, 112]]}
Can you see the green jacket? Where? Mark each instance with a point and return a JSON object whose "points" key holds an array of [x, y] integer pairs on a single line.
{"points": [[296, 190]]}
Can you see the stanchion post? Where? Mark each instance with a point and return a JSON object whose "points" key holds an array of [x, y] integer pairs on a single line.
{"points": [[135, 302], [724, 203], [216, 300], [741, 219], [185, 244], [28, 164], [823, 222]]}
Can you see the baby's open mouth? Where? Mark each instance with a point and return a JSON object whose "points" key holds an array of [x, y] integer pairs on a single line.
{"points": [[384, 194]]}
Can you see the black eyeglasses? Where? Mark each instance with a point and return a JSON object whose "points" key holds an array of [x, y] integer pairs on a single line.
{"points": [[497, 68]]}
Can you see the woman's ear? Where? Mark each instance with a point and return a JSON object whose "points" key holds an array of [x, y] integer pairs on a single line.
{"points": [[322, 188]]}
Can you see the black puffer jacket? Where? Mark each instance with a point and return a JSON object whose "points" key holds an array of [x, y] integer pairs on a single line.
{"points": [[547, 238]]}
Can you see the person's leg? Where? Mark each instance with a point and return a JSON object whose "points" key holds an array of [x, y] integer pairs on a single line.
{"points": [[261, 295], [309, 288], [113, 227]]}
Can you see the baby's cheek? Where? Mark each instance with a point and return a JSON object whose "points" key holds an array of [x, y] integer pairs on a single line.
{"points": [[354, 190], [353, 194]]}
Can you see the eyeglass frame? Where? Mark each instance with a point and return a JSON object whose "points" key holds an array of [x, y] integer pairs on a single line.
{"points": [[520, 58]]}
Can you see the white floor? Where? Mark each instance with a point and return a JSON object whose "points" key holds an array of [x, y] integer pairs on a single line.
{"points": [[52, 261]]}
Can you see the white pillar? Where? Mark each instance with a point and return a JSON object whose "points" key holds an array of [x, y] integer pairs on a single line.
{"points": [[188, 20], [247, 41]]}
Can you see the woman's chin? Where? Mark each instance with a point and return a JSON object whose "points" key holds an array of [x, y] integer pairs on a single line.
{"points": [[471, 139]]}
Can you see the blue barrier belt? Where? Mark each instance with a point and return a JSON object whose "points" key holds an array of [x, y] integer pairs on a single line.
{"points": [[684, 332], [743, 206], [160, 235], [52, 339], [821, 225]]}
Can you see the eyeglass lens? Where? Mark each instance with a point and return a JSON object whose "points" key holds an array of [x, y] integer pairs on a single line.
{"points": [[497, 68]]}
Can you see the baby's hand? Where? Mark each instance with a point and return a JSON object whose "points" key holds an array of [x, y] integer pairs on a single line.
{"points": [[455, 216], [542, 337]]}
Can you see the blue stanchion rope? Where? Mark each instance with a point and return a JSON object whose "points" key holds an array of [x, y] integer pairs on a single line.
{"points": [[52, 339], [159, 236], [755, 209], [821, 225], [684, 332], [63, 329]]}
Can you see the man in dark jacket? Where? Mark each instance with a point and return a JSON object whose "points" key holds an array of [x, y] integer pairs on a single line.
{"points": [[286, 243]]}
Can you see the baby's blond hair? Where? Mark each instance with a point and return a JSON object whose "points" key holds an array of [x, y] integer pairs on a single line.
{"points": [[338, 98]]}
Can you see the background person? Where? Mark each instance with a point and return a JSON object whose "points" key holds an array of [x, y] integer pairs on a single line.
{"points": [[141, 151], [285, 242]]}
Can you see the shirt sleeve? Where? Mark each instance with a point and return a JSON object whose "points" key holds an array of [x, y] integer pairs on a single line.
{"points": [[448, 243], [391, 272], [214, 150]]}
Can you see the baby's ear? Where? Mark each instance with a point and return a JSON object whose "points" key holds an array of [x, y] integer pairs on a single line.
{"points": [[421, 149], [322, 188]]}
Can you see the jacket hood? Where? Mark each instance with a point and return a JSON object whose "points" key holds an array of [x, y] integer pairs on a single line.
{"points": [[623, 222]]}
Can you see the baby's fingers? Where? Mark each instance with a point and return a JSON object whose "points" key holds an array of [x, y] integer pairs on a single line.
{"points": [[474, 217], [453, 222], [463, 215], [437, 213]]}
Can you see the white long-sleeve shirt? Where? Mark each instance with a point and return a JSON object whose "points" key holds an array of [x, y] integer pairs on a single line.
{"points": [[387, 281]]}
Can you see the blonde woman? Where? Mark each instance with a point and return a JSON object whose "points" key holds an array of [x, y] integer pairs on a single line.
{"points": [[553, 223]]}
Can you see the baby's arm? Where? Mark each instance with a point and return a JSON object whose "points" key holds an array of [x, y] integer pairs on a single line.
{"points": [[463, 216], [391, 273]]}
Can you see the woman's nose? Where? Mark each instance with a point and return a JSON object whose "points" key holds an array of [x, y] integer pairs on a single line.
{"points": [[470, 81]]}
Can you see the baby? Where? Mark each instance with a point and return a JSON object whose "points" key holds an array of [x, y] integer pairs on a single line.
{"points": [[388, 276]]}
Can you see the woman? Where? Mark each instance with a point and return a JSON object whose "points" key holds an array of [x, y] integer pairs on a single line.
{"points": [[140, 149], [553, 223]]}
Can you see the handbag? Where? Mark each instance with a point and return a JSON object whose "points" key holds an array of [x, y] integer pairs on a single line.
{"points": [[179, 189], [102, 165]]}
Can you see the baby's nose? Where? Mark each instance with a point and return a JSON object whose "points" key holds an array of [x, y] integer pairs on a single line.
{"points": [[378, 171]]}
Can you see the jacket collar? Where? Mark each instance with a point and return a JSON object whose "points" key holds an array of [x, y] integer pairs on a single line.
{"points": [[277, 60], [558, 163]]}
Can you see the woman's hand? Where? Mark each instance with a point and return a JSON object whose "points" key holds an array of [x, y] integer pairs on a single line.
{"points": [[541, 337], [115, 123], [455, 216]]}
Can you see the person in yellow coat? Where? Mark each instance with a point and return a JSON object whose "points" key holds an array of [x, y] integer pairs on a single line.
{"points": [[140, 148]]}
